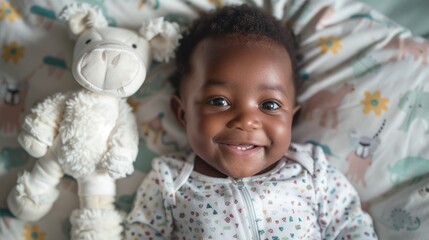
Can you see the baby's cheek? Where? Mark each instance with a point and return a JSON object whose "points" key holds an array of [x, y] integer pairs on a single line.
{"points": [[280, 131], [200, 133], [209, 124]]}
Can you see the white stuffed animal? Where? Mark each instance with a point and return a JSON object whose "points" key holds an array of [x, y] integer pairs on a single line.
{"points": [[90, 134]]}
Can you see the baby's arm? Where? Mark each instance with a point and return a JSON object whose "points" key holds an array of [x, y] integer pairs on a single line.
{"points": [[149, 218], [340, 212]]}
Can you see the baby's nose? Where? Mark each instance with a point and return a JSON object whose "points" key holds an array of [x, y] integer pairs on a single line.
{"points": [[246, 121]]}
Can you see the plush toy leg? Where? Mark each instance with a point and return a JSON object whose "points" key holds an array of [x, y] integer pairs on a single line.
{"points": [[97, 218], [97, 202], [100, 224], [35, 192]]}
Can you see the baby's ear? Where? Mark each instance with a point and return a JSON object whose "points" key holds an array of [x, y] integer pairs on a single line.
{"points": [[296, 112], [163, 37], [296, 109], [178, 110], [81, 16]]}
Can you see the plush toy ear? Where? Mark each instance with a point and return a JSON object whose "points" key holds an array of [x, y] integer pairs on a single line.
{"points": [[163, 37], [81, 16]]}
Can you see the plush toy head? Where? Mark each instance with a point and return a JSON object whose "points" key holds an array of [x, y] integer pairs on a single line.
{"points": [[115, 60]]}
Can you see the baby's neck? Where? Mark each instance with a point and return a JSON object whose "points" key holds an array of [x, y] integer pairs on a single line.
{"points": [[204, 168]]}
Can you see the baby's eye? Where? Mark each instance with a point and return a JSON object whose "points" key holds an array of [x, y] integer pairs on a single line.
{"points": [[270, 105], [218, 101]]}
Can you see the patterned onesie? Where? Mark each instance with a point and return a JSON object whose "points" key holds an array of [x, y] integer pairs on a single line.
{"points": [[303, 197]]}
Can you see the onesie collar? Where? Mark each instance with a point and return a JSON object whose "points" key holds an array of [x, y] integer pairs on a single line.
{"points": [[303, 154]]}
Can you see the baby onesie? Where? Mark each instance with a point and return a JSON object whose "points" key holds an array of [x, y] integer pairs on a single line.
{"points": [[303, 197]]}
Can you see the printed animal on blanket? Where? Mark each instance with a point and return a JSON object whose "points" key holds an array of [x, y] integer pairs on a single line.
{"points": [[328, 102], [415, 104], [361, 158], [12, 103], [12, 106], [91, 133], [409, 46], [409, 168]]}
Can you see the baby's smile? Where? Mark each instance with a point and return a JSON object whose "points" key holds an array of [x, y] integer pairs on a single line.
{"points": [[240, 149]]}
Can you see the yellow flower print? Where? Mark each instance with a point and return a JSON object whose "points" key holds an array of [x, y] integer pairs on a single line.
{"points": [[12, 52], [374, 102], [330, 43], [7, 11], [33, 233]]}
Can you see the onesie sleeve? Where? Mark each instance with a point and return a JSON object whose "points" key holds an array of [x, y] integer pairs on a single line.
{"points": [[151, 216], [340, 212]]}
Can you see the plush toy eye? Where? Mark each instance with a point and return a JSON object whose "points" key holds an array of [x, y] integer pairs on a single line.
{"points": [[88, 41], [134, 46]]}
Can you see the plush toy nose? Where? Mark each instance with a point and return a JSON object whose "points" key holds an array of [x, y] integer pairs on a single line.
{"points": [[115, 60], [110, 69]]}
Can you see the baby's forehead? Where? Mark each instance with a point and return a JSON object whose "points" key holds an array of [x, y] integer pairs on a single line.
{"points": [[217, 48], [237, 54], [242, 40]]}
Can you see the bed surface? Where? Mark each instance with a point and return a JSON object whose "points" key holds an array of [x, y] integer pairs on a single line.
{"points": [[371, 68]]}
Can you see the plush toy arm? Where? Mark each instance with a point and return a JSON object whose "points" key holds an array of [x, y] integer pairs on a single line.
{"points": [[33, 146], [123, 145], [41, 125]]}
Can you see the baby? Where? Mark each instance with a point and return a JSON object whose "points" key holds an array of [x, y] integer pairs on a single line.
{"points": [[242, 178]]}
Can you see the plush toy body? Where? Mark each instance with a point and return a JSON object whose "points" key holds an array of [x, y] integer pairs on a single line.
{"points": [[90, 134]]}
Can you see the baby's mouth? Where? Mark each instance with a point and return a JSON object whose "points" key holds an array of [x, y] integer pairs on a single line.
{"points": [[241, 147]]}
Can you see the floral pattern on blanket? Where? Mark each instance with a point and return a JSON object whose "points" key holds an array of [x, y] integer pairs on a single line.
{"points": [[365, 101]]}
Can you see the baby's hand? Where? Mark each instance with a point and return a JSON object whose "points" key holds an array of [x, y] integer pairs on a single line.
{"points": [[33, 146]]}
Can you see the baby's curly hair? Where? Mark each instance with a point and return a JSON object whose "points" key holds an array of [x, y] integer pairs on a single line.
{"points": [[230, 20]]}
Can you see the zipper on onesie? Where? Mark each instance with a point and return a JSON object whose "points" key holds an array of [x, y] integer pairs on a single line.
{"points": [[249, 207]]}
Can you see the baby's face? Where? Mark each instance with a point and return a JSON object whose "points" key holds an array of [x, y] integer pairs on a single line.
{"points": [[236, 105]]}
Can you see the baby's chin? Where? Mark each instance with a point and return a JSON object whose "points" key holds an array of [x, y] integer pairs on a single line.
{"points": [[245, 172]]}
